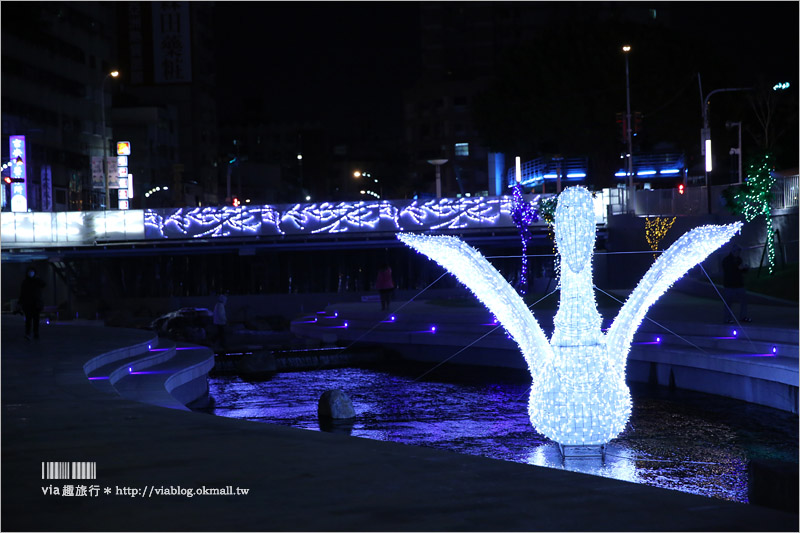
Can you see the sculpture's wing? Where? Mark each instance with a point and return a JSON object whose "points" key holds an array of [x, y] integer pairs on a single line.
{"points": [[692, 248], [474, 271]]}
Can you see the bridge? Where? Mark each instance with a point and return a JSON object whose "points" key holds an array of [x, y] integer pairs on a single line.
{"points": [[27, 236]]}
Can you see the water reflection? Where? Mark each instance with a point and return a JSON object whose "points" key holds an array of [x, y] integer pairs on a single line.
{"points": [[684, 441]]}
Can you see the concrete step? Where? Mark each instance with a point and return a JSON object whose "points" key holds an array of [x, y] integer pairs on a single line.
{"points": [[158, 382], [739, 344]]}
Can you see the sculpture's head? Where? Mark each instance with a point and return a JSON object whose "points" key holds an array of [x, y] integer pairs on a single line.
{"points": [[575, 228]]}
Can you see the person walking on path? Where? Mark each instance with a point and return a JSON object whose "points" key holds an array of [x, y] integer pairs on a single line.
{"points": [[31, 302], [733, 270], [220, 319], [385, 285]]}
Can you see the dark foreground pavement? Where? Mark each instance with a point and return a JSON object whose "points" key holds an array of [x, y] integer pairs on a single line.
{"points": [[297, 480]]}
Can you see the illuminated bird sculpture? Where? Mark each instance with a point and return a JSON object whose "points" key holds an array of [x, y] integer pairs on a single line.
{"points": [[579, 395]]}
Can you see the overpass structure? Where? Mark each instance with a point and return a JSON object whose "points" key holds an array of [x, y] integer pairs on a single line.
{"points": [[27, 236]]}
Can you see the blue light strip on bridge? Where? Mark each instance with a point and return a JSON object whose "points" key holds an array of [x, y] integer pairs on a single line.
{"points": [[89, 228], [329, 218]]}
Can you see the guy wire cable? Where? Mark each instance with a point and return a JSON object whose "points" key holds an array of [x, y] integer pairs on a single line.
{"points": [[654, 322], [384, 318], [476, 340], [744, 330]]}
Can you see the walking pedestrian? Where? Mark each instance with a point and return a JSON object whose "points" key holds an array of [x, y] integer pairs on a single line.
{"points": [[220, 319], [733, 271], [385, 285], [31, 302]]}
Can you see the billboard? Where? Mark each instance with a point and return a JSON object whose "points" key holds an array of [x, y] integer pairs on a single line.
{"points": [[19, 188]]}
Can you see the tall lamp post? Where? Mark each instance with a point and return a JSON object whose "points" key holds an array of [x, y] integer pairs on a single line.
{"points": [[705, 133], [738, 150], [112, 74], [438, 163], [626, 49]]}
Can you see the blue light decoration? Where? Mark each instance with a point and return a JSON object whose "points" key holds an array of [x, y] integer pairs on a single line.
{"points": [[328, 218], [523, 216], [19, 189], [535, 172], [578, 395], [655, 165]]}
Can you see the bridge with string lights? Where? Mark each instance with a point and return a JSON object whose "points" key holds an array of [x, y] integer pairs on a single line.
{"points": [[314, 225]]}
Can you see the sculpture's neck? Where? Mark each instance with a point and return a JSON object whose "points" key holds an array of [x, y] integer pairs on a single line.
{"points": [[577, 322]]}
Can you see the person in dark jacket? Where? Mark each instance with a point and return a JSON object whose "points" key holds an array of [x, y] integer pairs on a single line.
{"points": [[385, 285], [31, 302], [733, 270]]}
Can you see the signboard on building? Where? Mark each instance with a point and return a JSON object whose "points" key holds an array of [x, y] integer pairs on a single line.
{"points": [[98, 179], [19, 187], [47, 188], [124, 179], [113, 172], [172, 53]]}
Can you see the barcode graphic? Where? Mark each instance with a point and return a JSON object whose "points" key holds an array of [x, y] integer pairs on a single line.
{"points": [[69, 470]]}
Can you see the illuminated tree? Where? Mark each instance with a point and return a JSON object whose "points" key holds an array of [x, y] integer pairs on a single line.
{"points": [[755, 198], [655, 229], [523, 216]]}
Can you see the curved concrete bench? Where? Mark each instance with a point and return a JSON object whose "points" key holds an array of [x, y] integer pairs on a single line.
{"points": [[153, 372]]}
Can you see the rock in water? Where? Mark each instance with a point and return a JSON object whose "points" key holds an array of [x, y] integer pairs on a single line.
{"points": [[335, 404]]}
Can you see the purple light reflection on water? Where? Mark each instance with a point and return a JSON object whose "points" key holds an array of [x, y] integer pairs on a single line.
{"points": [[678, 440]]}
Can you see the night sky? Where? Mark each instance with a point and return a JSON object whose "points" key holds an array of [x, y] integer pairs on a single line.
{"points": [[305, 58], [331, 61]]}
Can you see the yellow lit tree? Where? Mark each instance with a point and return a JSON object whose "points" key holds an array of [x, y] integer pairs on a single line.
{"points": [[655, 228]]}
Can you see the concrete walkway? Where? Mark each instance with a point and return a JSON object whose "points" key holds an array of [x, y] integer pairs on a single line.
{"points": [[296, 480]]}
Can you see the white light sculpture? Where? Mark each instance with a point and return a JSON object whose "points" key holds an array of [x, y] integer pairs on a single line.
{"points": [[579, 396]]}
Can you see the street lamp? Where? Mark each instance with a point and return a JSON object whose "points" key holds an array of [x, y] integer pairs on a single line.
{"points": [[626, 49], [112, 74], [705, 133], [738, 150], [438, 163]]}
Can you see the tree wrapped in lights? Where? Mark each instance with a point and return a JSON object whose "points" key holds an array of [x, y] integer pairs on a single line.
{"points": [[755, 199], [523, 216], [655, 229], [578, 395]]}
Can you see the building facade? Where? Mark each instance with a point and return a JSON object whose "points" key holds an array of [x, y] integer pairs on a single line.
{"points": [[56, 93]]}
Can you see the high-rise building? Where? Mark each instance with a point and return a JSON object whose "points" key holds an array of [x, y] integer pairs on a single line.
{"points": [[56, 60], [461, 46], [167, 98]]}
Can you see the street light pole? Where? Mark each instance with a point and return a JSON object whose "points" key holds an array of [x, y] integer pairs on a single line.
{"points": [[112, 74], [626, 49], [438, 163], [738, 149], [705, 135]]}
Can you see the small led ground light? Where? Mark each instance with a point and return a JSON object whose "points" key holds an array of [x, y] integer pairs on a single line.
{"points": [[345, 324], [433, 329], [130, 370], [392, 318], [735, 333], [658, 340], [774, 350]]}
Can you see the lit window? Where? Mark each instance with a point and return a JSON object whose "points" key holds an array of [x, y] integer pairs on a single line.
{"points": [[462, 149]]}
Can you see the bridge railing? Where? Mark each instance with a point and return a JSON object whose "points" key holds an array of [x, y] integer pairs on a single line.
{"points": [[85, 228]]}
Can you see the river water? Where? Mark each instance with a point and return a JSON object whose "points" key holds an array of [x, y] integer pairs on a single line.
{"points": [[678, 440]]}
